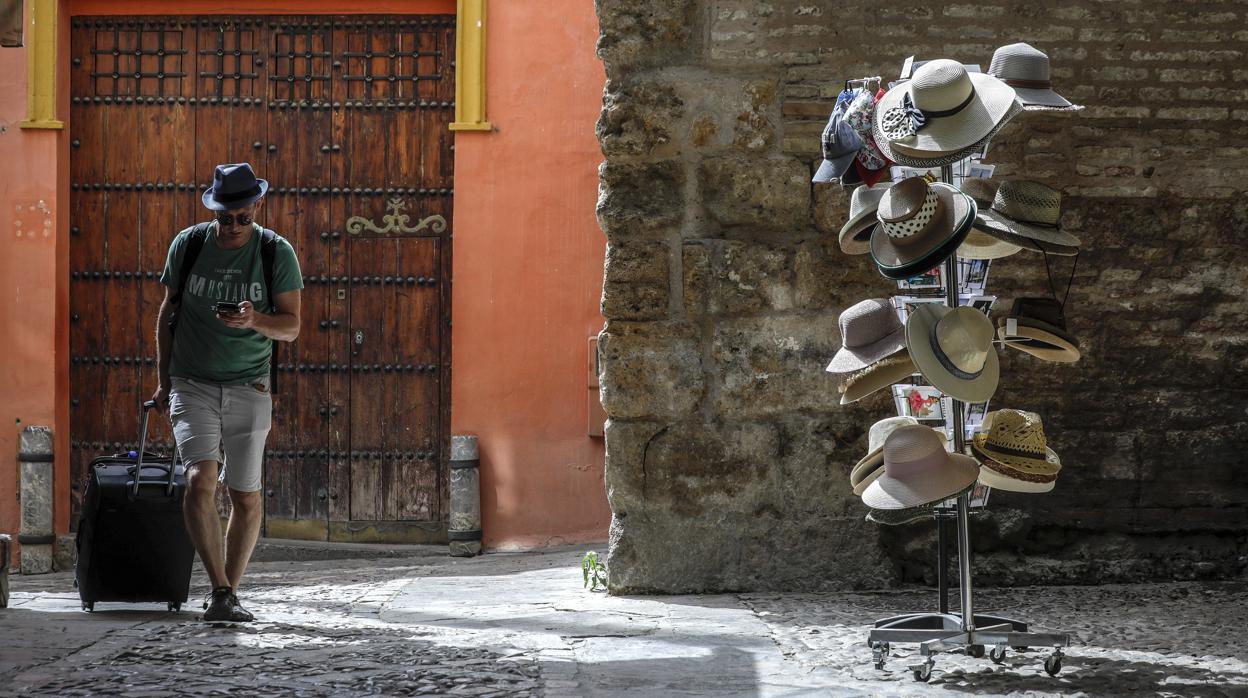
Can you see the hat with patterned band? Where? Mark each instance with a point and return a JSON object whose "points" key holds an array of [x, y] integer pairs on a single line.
{"points": [[942, 110], [1014, 452], [953, 349], [234, 187], [855, 236], [870, 467], [1028, 209], [1026, 69], [859, 384], [1039, 330], [918, 470], [914, 220]]}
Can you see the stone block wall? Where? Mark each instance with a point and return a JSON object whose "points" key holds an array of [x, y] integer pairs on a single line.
{"points": [[727, 452]]}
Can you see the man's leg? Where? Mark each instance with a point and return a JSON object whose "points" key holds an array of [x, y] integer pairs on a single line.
{"points": [[200, 511], [241, 533]]}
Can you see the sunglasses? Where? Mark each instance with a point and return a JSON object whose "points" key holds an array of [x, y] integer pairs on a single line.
{"points": [[229, 219]]}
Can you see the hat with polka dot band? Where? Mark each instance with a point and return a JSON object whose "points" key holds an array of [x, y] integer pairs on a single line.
{"points": [[915, 219]]}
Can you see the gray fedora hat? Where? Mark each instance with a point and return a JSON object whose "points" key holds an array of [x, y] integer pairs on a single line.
{"points": [[1026, 69], [870, 332]]}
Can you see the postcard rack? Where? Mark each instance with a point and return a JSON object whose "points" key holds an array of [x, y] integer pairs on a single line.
{"points": [[962, 631]]}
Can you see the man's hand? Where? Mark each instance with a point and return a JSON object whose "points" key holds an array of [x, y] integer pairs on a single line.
{"points": [[161, 398], [244, 319]]}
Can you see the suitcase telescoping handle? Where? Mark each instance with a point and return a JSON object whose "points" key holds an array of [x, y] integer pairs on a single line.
{"points": [[138, 461]]}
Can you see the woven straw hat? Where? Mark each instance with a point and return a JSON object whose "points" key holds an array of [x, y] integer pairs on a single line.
{"points": [[1028, 209], [1040, 330], [855, 386], [870, 332], [1014, 452], [918, 470], [855, 237], [942, 110], [870, 467], [1026, 69], [914, 220], [953, 349], [984, 191]]}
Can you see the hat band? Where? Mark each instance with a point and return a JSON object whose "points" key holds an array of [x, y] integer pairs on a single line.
{"points": [[1029, 84], [1027, 221], [939, 113], [900, 230], [236, 196], [1016, 452], [946, 362], [1015, 474]]}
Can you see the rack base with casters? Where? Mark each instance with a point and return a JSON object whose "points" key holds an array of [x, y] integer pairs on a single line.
{"points": [[999, 638]]}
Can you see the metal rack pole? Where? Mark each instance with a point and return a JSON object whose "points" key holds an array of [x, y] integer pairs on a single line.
{"points": [[959, 439], [942, 563]]}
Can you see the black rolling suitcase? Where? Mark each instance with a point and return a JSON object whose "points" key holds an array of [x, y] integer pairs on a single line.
{"points": [[132, 542]]}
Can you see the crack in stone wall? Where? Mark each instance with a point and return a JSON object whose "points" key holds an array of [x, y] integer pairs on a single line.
{"points": [[723, 284]]}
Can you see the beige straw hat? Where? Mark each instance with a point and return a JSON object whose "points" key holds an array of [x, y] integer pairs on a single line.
{"points": [[855, 237], [859, 384], [953, 349], [1015, 455], [943, 110], [897, 517], [870, 332], [918, 470], [984, 191], [914, 220], [1027, 209]]}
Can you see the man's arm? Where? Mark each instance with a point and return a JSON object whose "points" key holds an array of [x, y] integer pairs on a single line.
{"points": [[282, 326], [164, 348]]}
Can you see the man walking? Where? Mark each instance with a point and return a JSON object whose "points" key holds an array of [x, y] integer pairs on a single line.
{"points": [[232, 288]]}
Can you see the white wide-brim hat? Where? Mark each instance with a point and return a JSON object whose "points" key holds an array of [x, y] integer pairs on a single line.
{"points": [[969, 333], [939, 484]]}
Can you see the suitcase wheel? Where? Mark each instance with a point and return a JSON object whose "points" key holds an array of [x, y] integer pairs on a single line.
{"points": [[175, 606], [88, 606]]}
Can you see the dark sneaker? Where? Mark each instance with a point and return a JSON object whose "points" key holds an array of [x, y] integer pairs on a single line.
{"points": [[222, 605]]}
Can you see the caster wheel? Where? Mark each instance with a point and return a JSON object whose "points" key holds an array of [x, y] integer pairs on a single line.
{"points": [[88, 606], [175, 606], [923, 672], [976, 651], [997, 655], [879, 653], [1053, 665]]}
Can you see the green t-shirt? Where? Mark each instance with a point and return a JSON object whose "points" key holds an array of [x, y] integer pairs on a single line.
{"points": [[203, 348]]}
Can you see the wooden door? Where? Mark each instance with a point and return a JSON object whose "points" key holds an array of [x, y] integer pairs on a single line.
{"points": [[347, 118]]}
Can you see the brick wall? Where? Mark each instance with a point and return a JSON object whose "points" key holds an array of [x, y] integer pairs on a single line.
{"points": [[727, 453]]}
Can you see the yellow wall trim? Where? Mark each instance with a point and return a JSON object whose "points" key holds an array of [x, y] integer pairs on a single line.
{"points": [[470, 67], [41, 66]]}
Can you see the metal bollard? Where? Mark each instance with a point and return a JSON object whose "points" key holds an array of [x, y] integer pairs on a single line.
{"points": [[36, 534], [6, 546], [465, 529]]}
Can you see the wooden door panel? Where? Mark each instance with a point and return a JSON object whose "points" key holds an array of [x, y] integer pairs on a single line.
{"points": [[345, 116]]}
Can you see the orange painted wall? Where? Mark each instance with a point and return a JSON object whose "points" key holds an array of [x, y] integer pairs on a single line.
{"points": [[28, 286], [528, 276]]}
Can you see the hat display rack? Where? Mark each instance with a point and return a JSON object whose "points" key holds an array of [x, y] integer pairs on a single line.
{"points": [[924, 226]]}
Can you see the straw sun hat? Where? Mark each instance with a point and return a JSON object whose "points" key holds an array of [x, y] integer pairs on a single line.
{"points": [[942, 112], [953, 349], [873, 349], [865, 471], [1014, 453], [984, 192]]}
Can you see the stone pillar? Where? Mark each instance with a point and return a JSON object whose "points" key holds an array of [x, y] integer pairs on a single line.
{"points": [[465, 528], [36, 534]]}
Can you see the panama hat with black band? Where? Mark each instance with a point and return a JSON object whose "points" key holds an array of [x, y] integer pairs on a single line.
{"points": [[943, 112], [918, 225], [952, 348]]}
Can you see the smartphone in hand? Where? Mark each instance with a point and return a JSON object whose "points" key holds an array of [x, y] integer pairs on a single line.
{"points": [[224, 308]]}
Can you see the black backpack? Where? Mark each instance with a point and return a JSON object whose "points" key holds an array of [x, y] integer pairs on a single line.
{"points": [[268, 253]]}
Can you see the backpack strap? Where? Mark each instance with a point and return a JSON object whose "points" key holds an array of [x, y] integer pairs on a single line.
{"points": [[268, 257], [194, 244]]}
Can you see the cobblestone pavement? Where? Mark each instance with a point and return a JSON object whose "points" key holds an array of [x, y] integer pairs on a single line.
{"points": [[521, 625]]}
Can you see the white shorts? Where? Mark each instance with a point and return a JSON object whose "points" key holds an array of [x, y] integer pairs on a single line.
{"points": [[210, 419]]}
